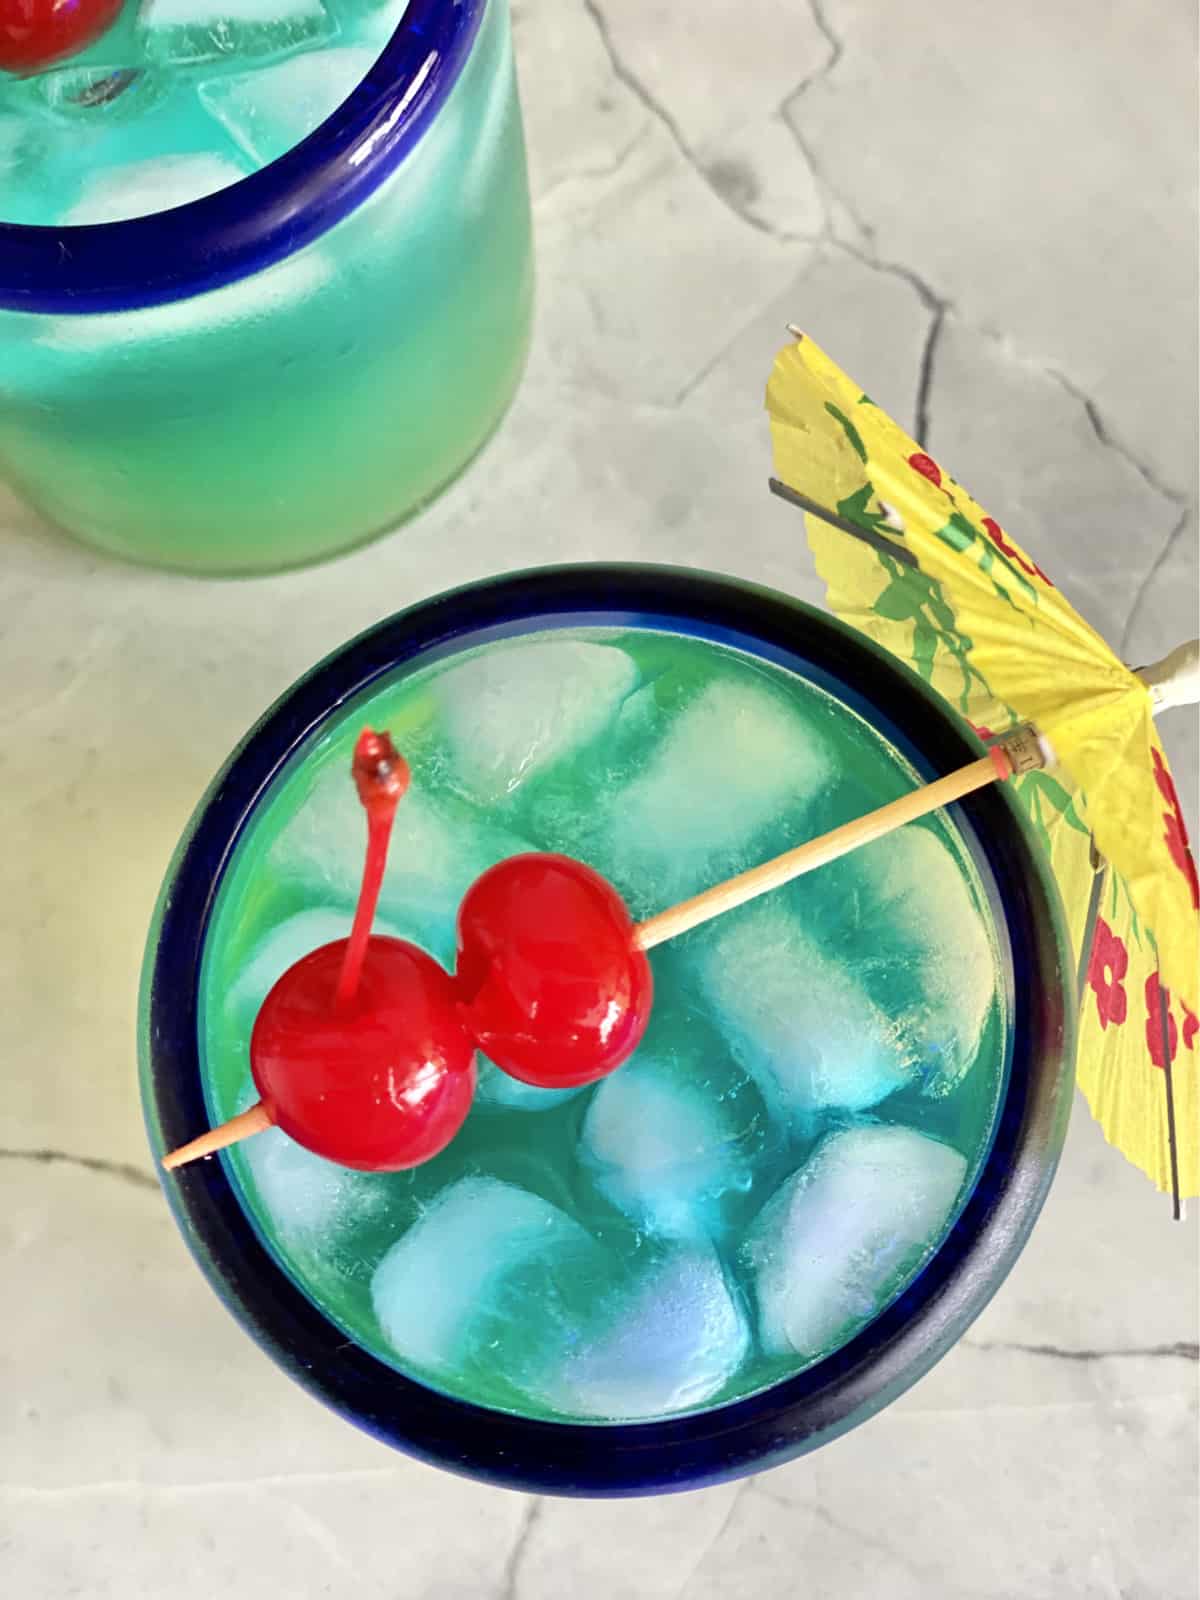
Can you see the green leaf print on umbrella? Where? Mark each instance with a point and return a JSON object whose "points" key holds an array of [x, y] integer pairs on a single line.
{"points": [[961, 535], [912, 597], [850, 431]]}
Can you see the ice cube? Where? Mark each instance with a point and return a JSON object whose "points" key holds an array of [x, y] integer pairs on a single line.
{"points": [[139, 188], [496, 1090], [212, 30], [438, 849], [496, 1286], [374, 23], [309, 1199], [929, 960], [444, 1294], [802, 1023], [271, 108], [511, 712], [840, 1237], [727, 766], [204, 13], [668, 1344], [668, 1136]]}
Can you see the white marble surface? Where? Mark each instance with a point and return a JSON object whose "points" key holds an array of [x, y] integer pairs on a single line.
{"points": [[984, 212]]}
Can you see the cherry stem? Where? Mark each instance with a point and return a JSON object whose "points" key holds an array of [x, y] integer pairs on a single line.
{"points": [[381, 776], [379, 832]]}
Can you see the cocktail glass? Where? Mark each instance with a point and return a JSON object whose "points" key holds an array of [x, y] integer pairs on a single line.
{"points": [[531, 1447]]}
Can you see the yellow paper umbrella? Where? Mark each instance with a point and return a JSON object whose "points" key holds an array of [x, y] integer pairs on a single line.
{"points": [[932, 578]]}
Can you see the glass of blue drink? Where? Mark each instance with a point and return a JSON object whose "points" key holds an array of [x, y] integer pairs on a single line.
{"points": [[265, 272], [828, 1148]]}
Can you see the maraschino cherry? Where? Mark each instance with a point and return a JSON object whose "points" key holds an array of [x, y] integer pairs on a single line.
{"points": [[358, 1053], [35, 34], [550, 984]]}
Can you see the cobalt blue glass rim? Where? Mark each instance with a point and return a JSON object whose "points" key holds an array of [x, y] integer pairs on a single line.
{"points": [[266, 216], [791, 1417]]}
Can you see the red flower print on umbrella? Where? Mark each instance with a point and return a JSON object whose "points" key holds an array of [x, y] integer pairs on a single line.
{"points": [[1190, 1024], [1006, 548], [927, 467], [1175, 832], [1107, 967], [1156, 999]]}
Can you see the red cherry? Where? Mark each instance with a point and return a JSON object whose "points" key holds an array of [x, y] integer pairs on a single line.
{"points": [[37, 33], [549, 982], [358, 1052], [382, 1081]]}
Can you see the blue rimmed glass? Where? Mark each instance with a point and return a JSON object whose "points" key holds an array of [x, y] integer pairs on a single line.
{"points": [[795, 1415], [284, 368]]}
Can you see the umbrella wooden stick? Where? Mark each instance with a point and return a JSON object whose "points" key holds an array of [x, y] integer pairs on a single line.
{"points": [[1020, 752], [254, 1120]]}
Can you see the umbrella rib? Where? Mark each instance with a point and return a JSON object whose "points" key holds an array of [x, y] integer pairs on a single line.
{"points": [[867, 535], [1089, 926], [1164, 1007]]}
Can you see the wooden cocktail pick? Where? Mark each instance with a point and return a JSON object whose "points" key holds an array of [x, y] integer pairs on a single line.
{"points": [[472, 1017]]}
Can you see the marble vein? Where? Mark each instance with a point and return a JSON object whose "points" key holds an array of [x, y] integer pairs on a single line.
{"points": [[123, 1171], [510, 1578], [927, 1573], [201, 1486], [828, 190], [1179, 1350], [940, 306], [1143, 588], [922, 420], [714, 1540], [1109, 440], [836, 48], [725, 192], [609, 169]]}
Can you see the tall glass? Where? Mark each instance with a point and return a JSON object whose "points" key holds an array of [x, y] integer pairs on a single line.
{"points": [[280, 370], [726, 1438]]}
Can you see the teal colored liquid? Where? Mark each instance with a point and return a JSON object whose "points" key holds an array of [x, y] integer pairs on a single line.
{"points": [[281, 418], [530, 1267]]}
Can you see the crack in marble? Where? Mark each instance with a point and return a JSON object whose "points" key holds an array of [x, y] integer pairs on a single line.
{"points": [[924, 291], [1181, 1350], [319, 1534], [585, 174], [826, 188], [1143, 588], [123, 1171], [202, 1486], [711, 364], [710, 1544], [1109, 440], [511, 1576], [940, 306], [836, 51], [836, 47], [926, 1573], [922, 420], [625, 75]]}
